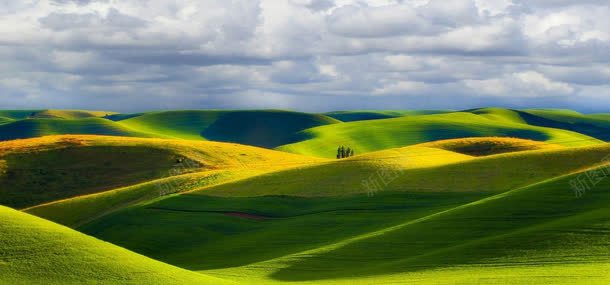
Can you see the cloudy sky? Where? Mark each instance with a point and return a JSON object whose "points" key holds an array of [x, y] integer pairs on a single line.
{"points": [[310, 55]]}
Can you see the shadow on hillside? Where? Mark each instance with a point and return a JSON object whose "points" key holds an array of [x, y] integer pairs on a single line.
{"points": [[542, 225], [598, 132], [38, 177], [441, 132], [267, 129]]}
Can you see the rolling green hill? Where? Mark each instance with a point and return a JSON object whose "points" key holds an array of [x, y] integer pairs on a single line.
{"points": [[597, 126], [499, 114], [4, 120], [423, 234], [367, 136], [70, 114], [46, 169], [315, 134], [488, 146], [18, 114], [432, 197], [594, 126], [40, 170], [538, 234], [36, 251], [57, 114], [78, 211], [258, 128], [29, 128], [350, 116], [439, 172], [433, 180]]}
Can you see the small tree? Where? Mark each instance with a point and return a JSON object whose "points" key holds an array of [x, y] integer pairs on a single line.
{"points": [[343, 152]]}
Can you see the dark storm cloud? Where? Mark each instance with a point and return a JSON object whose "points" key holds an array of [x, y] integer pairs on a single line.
{"points": [[304, 54]]}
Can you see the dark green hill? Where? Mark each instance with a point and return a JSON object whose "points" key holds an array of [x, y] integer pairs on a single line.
{"points": [[29, 128], [350, 116], [258, 128]]}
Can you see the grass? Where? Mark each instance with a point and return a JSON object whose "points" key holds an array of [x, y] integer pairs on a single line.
{"points": [[28, 128], [499, 114], [257, 128], [34, 178], [479, 196], [70, 114], [268, 128], [416, 236], [525, 228], [42, 170], [36, 251], [372, 135], [315, 134], [489, 146], [207, 236], [294, 220], [18, 114], [4, 120], [416, 170], [591, 125], [78, 211], [362, 115]]}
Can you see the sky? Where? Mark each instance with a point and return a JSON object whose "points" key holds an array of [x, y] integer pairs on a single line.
{"points": [[307, 55]]}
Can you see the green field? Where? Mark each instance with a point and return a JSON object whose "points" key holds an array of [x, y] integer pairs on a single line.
{"points": [[258, 128], [481, 196], [372, 135], [362, 115], [29, 128], [35, 251]]}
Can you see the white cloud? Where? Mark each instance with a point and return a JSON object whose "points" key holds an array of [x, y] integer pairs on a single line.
{"points": [[190, 53], [520, 84], [400, 88]]}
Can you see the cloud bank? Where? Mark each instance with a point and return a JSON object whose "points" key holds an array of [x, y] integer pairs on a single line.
{"points": [[310, 55]]}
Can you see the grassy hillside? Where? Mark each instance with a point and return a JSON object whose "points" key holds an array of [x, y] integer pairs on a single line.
{"points": [[57, 114], [41, 170], [209, 229], [36, 251], [597, 126], [591, 125], [499, 114], [314, 134], [488, 146], [70, 114], [4, 120], [18, 114], [29, 128], [78, 211], [258, 128], [478, 196], [539, 234], [494, 173], [434, 236], [367, 136], [350, 116]]}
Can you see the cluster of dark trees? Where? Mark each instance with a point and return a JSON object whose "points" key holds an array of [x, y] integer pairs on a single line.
{"points": [[343, 152]]}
